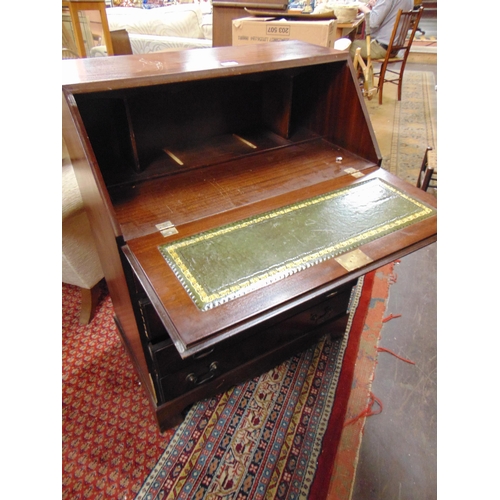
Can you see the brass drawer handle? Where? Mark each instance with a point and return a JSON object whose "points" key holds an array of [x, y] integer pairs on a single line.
{"points": [[192, 378]]}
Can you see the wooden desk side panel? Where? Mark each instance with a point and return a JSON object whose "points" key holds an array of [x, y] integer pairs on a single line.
{"points": [[104, 230], [336, 109], [351, 125]]}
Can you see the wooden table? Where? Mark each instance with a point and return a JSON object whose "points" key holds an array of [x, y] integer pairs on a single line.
{"points": [[349, 29], [74, 7]]}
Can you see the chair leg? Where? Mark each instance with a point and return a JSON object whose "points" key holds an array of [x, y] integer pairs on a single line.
{"points": [[400, 83], [89, 303], [381, 79]]}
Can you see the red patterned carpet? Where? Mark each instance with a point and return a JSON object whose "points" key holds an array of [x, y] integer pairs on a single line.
{"points": [[275, 436], [110, 438]]}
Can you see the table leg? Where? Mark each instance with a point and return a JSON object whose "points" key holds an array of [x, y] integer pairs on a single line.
{"points": [[77, 29], [105, 29]]}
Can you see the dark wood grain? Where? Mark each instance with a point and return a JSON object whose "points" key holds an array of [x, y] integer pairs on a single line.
{"points": [[143, 70]]}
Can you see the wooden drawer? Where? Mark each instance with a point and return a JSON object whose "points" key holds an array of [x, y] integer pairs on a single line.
{"points": [[177, 376], [151, 324]]}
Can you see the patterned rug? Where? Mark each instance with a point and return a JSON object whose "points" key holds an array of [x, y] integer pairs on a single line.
{"points": [[405, 128], [110, 438], [274, 437]]}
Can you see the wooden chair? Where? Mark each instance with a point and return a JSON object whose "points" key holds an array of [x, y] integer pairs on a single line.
{"points": [[428, 171], [366, 68], [405, 26]]}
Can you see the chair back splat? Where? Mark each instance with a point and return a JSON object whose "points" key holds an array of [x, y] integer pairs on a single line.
{"points": [[405, 26]]}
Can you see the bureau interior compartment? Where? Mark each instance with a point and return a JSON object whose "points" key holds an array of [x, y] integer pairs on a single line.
{"points": [[144, 133]]}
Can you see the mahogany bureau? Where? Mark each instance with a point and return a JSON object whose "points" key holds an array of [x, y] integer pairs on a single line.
{"points": [[236, 195]]}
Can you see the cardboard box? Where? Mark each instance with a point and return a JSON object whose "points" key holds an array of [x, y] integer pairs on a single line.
{"points": [[250, 30]]}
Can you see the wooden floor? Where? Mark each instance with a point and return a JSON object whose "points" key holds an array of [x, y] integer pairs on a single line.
{"points": [[398, 456]]}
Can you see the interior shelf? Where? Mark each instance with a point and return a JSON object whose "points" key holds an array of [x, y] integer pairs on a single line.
{"points": [[195, 153]]}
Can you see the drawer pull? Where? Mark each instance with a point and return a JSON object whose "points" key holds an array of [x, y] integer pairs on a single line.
{"points": [[327, 313], [192, 378], [201, 355]]}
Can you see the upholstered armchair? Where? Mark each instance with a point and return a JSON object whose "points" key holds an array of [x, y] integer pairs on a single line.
{"points": [[80, 262]]}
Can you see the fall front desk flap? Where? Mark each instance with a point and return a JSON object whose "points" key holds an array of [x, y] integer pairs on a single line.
{"points": [[225, 263]]}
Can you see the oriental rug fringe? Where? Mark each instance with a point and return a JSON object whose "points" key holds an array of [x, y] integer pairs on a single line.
{"points": [[275, 436]]}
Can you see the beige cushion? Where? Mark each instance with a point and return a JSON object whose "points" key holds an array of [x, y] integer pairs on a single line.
{"points": [[145, 44], [80, 261], [178, 21]]}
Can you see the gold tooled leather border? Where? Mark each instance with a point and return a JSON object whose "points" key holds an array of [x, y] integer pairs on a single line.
{"points": [[207, 301]]}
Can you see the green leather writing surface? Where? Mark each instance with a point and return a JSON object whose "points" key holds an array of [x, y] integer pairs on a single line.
{"points": [[227, 262]]}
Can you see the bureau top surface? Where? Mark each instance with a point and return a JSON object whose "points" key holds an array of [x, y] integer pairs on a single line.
{"points": [[107, 73]]}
